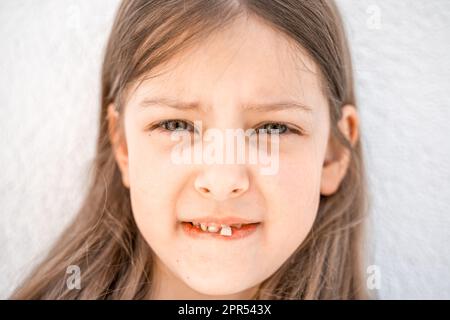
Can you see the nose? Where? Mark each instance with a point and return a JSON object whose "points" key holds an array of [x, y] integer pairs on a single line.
{"points": [[222, 182]]}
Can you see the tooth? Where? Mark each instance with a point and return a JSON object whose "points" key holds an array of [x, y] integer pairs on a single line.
{"points": [[213, 228], [225, 231], [196, 224], [238, 226], [203, 226]]}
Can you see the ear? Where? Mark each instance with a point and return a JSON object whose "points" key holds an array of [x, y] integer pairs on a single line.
{"points": [[337, 157], [118, 143]]}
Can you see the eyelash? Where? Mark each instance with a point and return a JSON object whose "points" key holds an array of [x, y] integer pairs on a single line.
{"points": [[161, 126]]}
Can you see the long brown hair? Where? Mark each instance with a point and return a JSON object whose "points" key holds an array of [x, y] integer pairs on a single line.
{"points": [[103, 239]]}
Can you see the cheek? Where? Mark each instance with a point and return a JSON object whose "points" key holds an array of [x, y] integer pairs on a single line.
{"points": [[293, 201], [154, 185]]}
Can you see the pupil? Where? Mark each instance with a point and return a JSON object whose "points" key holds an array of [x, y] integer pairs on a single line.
{"points": [[175, 125], [275, 128]]}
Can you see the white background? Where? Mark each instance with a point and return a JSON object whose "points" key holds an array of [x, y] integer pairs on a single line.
{"points": [[49, 86]]}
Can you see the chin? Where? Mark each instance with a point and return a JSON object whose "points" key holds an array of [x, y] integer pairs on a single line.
{"points": [[217, 286]]}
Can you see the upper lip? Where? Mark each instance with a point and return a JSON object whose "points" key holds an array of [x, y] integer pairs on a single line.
{"points": [[222, 220]]}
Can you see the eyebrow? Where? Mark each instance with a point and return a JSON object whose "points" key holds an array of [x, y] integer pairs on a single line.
{"points": [[259, 107]]}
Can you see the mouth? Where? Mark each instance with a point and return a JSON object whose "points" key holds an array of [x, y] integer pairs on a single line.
{"points": [[225, 231]]}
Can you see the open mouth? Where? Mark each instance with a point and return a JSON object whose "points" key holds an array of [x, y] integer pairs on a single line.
{"points": [[224, 231]]}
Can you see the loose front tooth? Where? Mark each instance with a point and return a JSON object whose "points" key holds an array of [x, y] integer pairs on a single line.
{"points": [[225, 231], [203, 226], [213, 228]]}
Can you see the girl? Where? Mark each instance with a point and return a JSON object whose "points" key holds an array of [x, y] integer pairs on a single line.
{"points": [[153, 229]]}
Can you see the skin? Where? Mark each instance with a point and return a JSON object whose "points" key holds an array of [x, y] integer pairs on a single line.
{"points": [[247, 63]]}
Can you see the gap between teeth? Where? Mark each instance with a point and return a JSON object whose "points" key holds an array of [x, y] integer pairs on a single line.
{"points": [[225, 230]]}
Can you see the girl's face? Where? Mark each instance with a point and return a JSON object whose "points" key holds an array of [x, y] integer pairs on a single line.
{"points": [[248, 64]]}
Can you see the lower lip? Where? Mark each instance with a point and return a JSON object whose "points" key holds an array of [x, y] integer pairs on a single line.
{"points": [[194, 232]]}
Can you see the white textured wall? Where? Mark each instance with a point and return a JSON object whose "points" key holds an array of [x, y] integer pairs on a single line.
{"points": [[49, 83]]}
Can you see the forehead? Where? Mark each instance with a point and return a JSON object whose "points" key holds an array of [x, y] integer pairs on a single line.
{"points": [[245, 61]]}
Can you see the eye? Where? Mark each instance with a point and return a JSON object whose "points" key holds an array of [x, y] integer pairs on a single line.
{"points": [[276, 128], [174, 125], [273, 128]]}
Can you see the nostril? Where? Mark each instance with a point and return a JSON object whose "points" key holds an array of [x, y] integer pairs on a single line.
{"points": [[204, 190]]}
